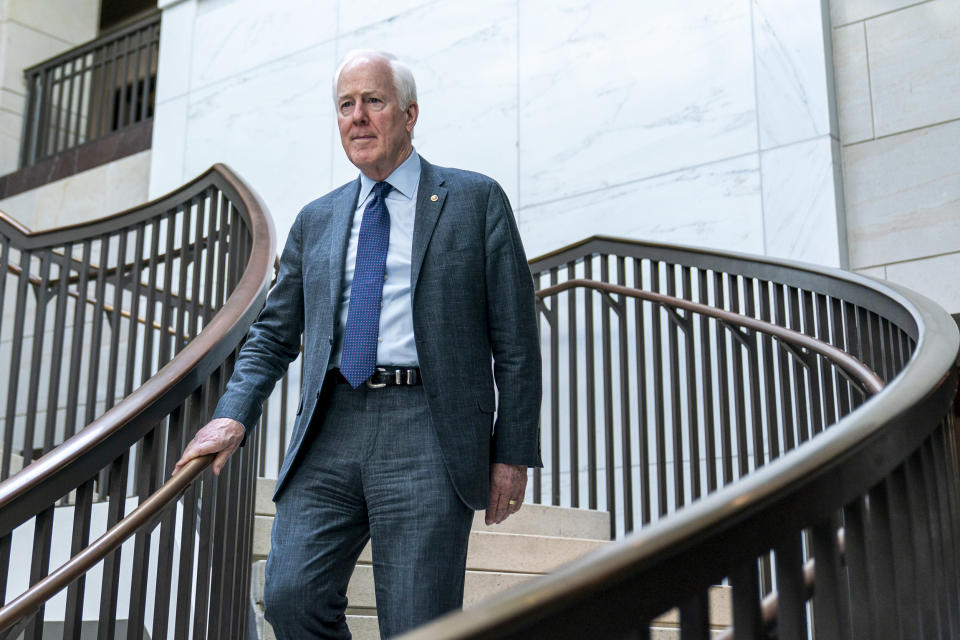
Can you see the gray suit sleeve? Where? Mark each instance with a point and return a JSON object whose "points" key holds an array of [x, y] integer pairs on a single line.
{"points": [[272, 342], [512, 322]]}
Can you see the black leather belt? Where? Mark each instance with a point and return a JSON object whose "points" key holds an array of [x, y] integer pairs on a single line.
{"points": [[386, 376]]}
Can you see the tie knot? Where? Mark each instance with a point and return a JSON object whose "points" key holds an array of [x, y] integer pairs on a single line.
{"points": [[381, 189]]}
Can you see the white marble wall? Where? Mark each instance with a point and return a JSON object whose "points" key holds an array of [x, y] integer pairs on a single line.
{"points": [[898, 91], [704, 122]]}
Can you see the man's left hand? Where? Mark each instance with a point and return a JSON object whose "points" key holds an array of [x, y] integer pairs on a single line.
{"points": [[508, 483]]}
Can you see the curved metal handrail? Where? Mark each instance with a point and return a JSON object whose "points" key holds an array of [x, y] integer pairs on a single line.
{"points": [[106, 437], [36, 487], [619, 587], [142, 516], [854, 367]]}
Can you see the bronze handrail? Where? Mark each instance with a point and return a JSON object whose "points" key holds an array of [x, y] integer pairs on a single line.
{"points": [[619, 589], [853, 366], [863, 374], [36, 486], [18, 493], [57, 580]]}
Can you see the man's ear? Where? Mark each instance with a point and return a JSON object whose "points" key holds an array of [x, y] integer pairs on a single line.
{"points": [[412, 112]]}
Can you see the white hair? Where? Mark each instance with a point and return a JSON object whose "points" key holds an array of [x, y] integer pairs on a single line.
{"points": [[403, 82]]}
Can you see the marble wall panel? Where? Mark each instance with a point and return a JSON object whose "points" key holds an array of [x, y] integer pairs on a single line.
{"points": [[24, 47], [799, 203], [913, 66], [607, 99], [352, 16], [232, 36], [936, 277], [73, 21], [11, 125], [880, 273], [791, 71], [21, 208], [169, 140], [176, 51], [903, 196], [845, 11], [272, 126], [716, 205], [466, 73], [853, 83], [12, 100]]}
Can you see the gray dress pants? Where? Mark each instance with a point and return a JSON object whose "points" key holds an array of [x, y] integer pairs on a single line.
{"points": [[372, 471]]}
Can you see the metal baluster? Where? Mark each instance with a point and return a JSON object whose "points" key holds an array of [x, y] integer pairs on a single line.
{"points": [[150, 309], [942, 473], [862, 606], [659, 423], [769, 380], [606, 350], [801, 396], [938, 541], [133, 327], [572, 391], [720, 344], [110, 585], [624, 371], [643, 424], [591, 385], [900, 535], [695, 617], [36, 358], [553, 318], [922, 547], [880, 553], [753, 378], [7, 451], [676, 411], [746, 601], [829, 594], [706, 355], [77, 345], [791, 610], [737, 381], [134, 81], [59, 324], [693, 425], [40, 565], [783, 372], [82, 510], [115, 321]]}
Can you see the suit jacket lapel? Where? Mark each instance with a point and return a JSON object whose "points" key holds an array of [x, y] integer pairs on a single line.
{"points": [[430, 199], [343, 210]]}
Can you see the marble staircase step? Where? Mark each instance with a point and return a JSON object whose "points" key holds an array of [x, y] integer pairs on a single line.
{"points": [[532, 519]]}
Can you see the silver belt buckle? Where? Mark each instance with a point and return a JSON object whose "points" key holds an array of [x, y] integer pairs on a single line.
{"points": [[374, 385]]}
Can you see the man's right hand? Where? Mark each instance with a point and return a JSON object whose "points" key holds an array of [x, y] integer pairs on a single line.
{"points": [[221, 436]]}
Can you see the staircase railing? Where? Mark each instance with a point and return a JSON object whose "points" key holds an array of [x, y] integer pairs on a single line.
{"points": [[100, 87], [149, 306], [755, 459]]}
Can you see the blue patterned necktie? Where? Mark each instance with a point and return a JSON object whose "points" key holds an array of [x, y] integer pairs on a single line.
{"points": [[359, 357]]}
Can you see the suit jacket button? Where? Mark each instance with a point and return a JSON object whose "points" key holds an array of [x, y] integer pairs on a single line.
{"points": [[331, 339]]}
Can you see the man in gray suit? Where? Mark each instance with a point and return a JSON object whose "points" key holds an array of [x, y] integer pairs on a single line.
{"points": [[404, 284]]}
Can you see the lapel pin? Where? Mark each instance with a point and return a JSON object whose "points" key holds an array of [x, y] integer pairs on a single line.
{"points": [[434, 198]]}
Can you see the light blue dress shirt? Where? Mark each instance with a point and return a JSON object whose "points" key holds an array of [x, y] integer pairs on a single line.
{"points": [[396, 343]]}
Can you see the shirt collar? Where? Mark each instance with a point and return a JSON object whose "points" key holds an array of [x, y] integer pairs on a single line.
{"points": [[404, 179]]}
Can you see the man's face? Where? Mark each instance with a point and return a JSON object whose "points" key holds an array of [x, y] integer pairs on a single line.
{"points": [[374, 127]]}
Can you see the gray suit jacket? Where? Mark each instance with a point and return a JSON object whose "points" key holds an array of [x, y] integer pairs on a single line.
{"points": [[472, 300]]}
